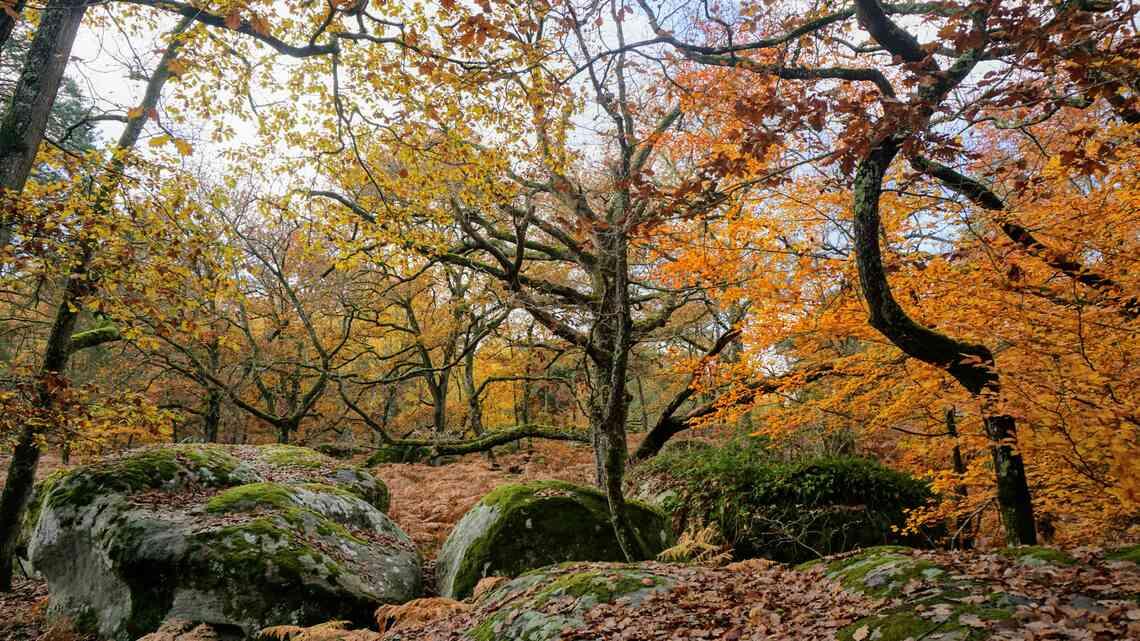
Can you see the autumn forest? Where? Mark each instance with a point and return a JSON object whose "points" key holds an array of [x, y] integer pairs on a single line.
{"points": [[569, 319]]}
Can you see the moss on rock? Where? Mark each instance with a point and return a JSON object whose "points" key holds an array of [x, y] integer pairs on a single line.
{"points": [[933, 604], [254, 553], [292, 456], [539, 605], [754, 497], [881, 571], [516, 528], [167, 468], [1130, 553], [1037, 555]]}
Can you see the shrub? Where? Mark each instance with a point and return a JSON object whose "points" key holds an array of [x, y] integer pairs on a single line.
{"points": [[784, 510]]}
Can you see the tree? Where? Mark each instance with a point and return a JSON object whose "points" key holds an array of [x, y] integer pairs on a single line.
{"points": [[873, 124], [63, 341]]}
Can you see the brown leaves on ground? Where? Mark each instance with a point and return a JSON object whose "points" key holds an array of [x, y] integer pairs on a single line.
{"points": [[741, 602], [428, 501], [1092, 600]]}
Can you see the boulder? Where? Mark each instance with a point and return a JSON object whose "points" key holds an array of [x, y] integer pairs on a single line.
{"points": [[540, 604], [925, 600], [765, 506], [199, 533], [517, 528]]}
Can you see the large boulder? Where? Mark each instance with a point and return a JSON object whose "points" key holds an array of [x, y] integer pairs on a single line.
{"points": [[521, 527], [791, 511], [199, 533]]}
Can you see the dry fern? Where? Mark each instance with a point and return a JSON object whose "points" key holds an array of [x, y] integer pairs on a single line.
{"points": [[486, 585], [705, 546], [417, 612], [328, 631]]}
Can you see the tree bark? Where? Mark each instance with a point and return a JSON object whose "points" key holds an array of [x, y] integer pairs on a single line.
{"points": [[22, 129], [970, 364]]}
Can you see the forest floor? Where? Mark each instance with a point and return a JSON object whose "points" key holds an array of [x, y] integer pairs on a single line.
{"points": [[750, 600]]}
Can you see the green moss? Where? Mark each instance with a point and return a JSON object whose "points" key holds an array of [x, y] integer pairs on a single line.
{"points": [[282, 500], [881, 571], [539, 604], [1037, 555], [755, 497], [292, 456], [245, 498], [325, 488], [546, 522], [601, 586], [903, 622], [1130, 553], [165, 467]]}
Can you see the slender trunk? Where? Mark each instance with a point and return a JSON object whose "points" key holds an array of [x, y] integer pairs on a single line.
{"points": [[438, 390], [57, 352], [609, 402], [474, 407], [970, 364], [26, 457], [641, 402], [212, 418], [965, 542], [22, 129]]}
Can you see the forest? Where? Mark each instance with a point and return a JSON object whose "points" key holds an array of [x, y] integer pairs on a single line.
{"points": [[531, 320]]}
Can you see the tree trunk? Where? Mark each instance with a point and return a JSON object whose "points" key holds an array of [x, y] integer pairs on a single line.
{"points": [[474, 407], [609, 401], [57, 352], [26, 457], [23, 127], [970, 364], [212, 418]]}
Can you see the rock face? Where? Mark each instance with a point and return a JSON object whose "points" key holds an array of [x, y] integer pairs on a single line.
{"points": [[539, 605], [218, 535], [517, 528]]}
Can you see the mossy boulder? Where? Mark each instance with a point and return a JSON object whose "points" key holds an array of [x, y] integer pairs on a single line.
{"points": [[933, 603], [521, 527], [540, 604], [767, 506], [340, 450], [196, 533]]}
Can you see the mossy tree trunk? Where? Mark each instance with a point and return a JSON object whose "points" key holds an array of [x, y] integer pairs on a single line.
{"points": [[609, 400]]}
